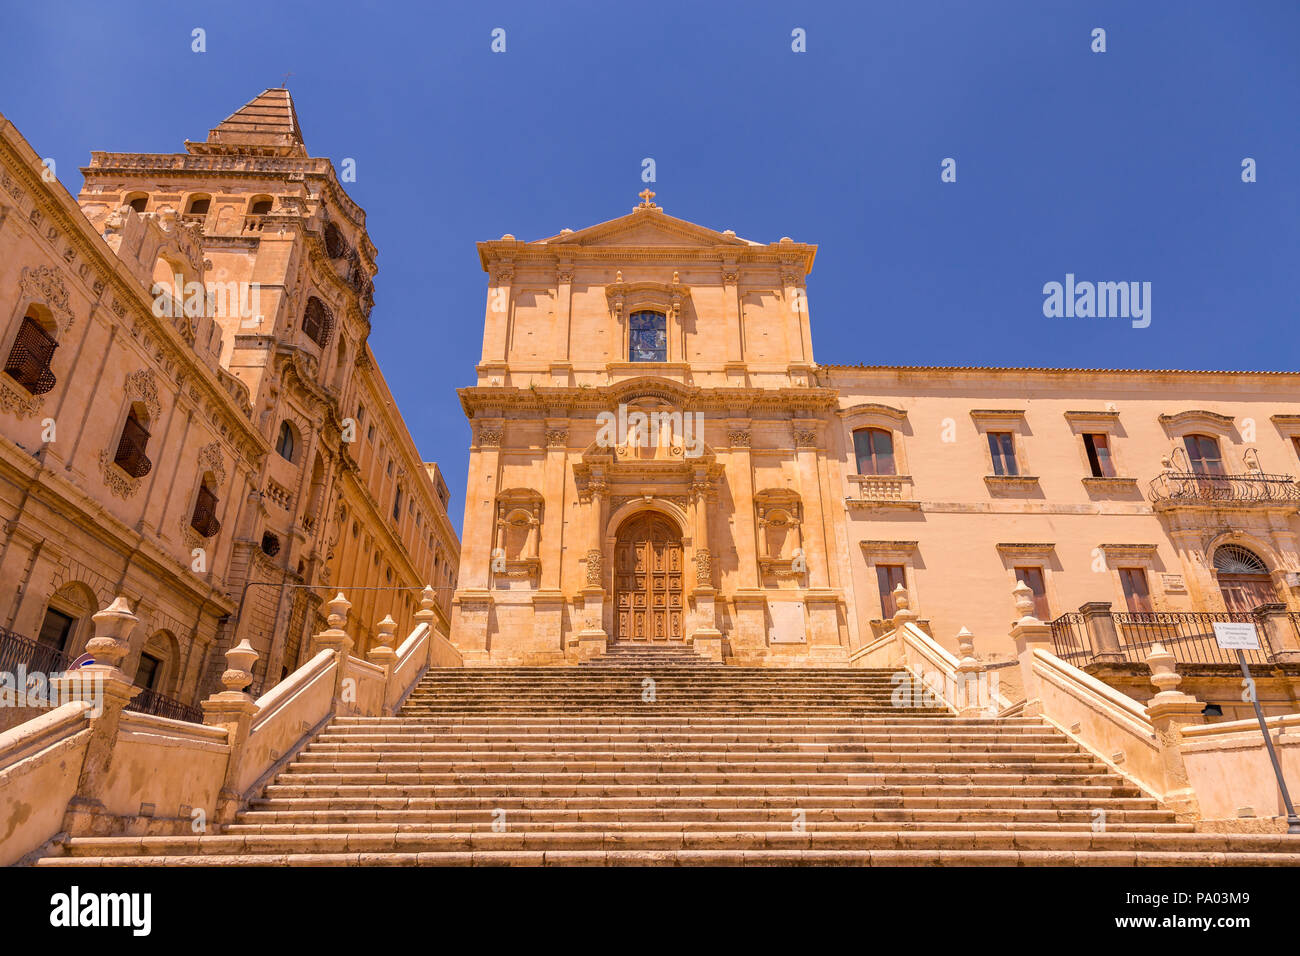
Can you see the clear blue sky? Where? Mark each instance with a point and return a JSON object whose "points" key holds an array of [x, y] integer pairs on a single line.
{"points": [[1117, 166]]}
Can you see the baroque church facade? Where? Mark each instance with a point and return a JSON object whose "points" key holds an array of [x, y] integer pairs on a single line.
{"points": [[657, 459]]}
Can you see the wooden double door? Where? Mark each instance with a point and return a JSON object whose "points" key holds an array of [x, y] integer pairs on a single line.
{"points": [[648, 597]]}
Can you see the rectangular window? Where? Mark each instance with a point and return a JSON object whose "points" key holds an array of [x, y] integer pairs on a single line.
{"points": [[1204, 455], [1002, 448], [888, 577], [874, 450], [1033, 579], [55, 630], [1136, 595], [647, 337], [1098, 447], [146, 675]]}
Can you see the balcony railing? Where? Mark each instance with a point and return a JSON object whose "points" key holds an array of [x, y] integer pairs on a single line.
{"points": [[881, 491], [160, 705], [131, 457], [32, 656], [1191, 487], [205, 520], [1188, 635], [29, 358]]}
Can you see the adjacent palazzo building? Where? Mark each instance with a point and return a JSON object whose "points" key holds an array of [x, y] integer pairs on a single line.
{"points": [[770, 506], [226, 459]]}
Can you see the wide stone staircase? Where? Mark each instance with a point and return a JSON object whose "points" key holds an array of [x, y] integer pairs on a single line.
{"points": [[653, 756]]}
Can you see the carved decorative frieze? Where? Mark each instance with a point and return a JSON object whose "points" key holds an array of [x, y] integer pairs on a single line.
{"points": [[45, 285], [557, 436], [142, 386], [489, 436], [117, 481], [18, 400], [703, 567], [739, 438], [593, 568], [210, 459]]}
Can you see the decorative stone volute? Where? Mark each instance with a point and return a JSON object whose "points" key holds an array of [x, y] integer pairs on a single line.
{"points": [[339, 608], [382, 653], [428, 599], [239, 667], [113, 627], [1164, 675], [966, 643], [903, 612], [1024, 599]]}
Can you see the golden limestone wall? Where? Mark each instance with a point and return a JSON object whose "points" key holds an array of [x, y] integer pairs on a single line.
{"points": [[259, 387], [959, 530]]}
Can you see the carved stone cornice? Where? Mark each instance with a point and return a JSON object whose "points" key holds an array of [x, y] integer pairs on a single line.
{"points": [[495, 401]]}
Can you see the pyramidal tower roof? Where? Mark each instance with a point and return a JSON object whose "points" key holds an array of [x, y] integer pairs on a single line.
{"points": [[266, 125]]}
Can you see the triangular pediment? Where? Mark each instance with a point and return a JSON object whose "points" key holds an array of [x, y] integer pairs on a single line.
{"points": [[646, 226]]}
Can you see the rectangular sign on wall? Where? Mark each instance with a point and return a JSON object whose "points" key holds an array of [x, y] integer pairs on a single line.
{"points": [[1236, 636]]}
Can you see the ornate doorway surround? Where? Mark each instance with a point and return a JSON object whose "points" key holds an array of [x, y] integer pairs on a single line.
{"points": [[649, 598]]}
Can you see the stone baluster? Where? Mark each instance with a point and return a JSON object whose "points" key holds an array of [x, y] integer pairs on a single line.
{"points": [[971, 684], [903, 613], [1169, 711], [233, 709], [335, 638], [1029, 634], [106, 690]]}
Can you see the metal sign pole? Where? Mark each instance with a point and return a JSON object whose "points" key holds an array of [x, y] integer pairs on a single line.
{"points": [[1292, 821]]}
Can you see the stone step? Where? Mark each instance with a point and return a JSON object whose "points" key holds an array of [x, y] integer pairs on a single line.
{"points": [[866, 790], [573, 813], [712, 858], [513, 800], [674, 826], [390, 842]]}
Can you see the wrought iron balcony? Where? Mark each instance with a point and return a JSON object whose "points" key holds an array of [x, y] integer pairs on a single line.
{"points": [[160, 705], [205, 520], [131, 457], [1188, 635], [29, 358], [33, 656], [1194, 488]]}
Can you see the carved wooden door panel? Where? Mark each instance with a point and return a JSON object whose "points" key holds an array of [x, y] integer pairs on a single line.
{"points": [[648, 581]]}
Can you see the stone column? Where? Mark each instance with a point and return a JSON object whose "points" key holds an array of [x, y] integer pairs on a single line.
{"points": [[706, 638], [233, 709], [1275, 621], [1170, 711], [472, 604], [106, 690], [1029, 633], [592, 639], [1102, 634]]}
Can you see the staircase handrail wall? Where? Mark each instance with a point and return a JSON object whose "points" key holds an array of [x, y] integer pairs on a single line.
{"points": [[365, 686], [1228, 766], [39, 764], [412, 661], [925, 659], [287, 715], [1100, 719]]}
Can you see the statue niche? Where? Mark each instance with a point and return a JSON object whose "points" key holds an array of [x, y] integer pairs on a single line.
{"points": [[780, 535], [517, 538]]}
